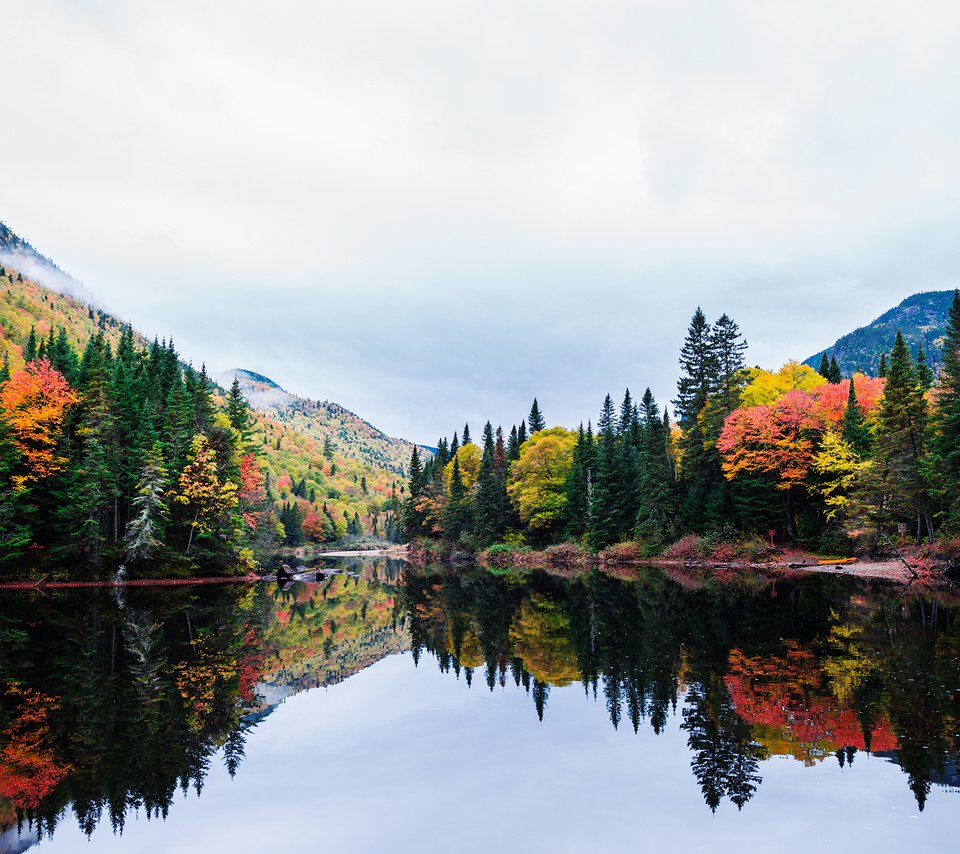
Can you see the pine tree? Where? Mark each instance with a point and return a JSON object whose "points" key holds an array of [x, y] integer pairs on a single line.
{"points": [[535, 418], [466, 435], [521, 433], [855, 430], [578, 487], [513, 445], [727, 348], [924, 372], [238, 412], [824, 369], [30, 348], [836, 375], [626, 420], [490, 498], [456, 517], [144, 532], [945, 436], [454, 446], [882, 370], [901, 426]]}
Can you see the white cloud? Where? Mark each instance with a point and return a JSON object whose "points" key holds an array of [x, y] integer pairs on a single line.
{"points": [[493, 201]]}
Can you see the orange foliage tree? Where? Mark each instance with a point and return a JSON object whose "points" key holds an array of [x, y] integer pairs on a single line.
{"points": [[34, 402]]}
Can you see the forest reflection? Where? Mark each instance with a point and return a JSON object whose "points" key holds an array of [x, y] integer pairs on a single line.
{"points": [[115, 704], [817, 668]]}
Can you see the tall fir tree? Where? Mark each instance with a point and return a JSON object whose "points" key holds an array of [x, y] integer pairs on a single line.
{"points": [[945, 437], [901, 425], [535, 418]]}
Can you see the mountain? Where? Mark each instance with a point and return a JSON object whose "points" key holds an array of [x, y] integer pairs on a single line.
{"points": [[921, 318], [348, 433], [147, 396], [19, 254]]}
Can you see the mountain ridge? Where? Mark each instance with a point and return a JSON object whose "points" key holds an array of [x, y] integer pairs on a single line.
{"points": [[921, 317]]}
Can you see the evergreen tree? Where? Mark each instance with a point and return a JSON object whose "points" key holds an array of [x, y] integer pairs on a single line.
{"points": [[901, 425], [521, 435], [238, 412], [882, 370], [824, 369], [490, 499], [535, 418], [466, 435], [855, 430], [513, 445], [456, 517], [30, 348], [945, 436], [579, 487], [144, 533], [454, 446], [924, 372], [836, 375]]}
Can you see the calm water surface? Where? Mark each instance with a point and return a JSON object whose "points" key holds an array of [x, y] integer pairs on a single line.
{"points": [[388, 708]]}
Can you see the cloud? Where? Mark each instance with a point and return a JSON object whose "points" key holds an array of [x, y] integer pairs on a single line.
{"points": [[433, 211]]}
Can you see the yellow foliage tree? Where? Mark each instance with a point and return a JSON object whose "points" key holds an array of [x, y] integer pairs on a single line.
{"points": [[538, 480], [469, 456], [769, 386]]}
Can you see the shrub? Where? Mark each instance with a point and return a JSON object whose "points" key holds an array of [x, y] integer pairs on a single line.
{"points": [[564, 554], [688, 547], [621, 553]]}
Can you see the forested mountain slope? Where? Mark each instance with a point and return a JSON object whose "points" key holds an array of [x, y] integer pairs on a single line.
{"points": [[922, 318], [349, 435], [101, 428]]}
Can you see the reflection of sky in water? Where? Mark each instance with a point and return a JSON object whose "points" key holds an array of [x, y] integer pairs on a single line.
{"points": [[399, 758]]}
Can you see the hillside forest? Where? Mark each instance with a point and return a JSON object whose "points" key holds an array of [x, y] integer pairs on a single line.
{"points": [[828, 461], [114, 452]]}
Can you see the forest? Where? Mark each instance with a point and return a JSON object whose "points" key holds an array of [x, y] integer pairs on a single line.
{"points": [[114, 451], [830, 462]]}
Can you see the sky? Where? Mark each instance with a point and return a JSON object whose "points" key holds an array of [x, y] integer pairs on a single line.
{"points": [[431, 212]]}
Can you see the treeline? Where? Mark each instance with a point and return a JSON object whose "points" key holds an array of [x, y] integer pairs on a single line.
{"points": [[124, 455], [812, 456]]}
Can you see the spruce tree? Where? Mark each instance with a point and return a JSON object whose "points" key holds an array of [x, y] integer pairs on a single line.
{"points": [[855, 430], [513, 445], [901, 426], [454, 446], [489, 503], [30, 348], [456, 516], [882, 370], [535, 418], [945, 436], [824, 369], [924, 372], [836, 375], [466, 435], [727, 348], [521, 435], [578, 488]]}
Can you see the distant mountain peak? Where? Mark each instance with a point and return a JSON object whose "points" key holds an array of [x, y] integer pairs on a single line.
{"points": [[19, 254], [350, 434], [922, 318], [251, 376]]}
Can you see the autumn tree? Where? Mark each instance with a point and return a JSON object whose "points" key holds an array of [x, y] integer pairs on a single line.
{"points": [[35, 401], [200, 491], [537, 484]]}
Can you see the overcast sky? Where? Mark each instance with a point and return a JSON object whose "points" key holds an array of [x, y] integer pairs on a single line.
{"points": [[431, 212]]}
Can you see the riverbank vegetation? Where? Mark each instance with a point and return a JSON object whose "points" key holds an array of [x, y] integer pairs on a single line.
{"points": [[826, 462]]}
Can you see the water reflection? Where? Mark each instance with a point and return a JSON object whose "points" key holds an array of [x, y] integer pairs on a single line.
{"points": [[816, 668], [111, 707]]}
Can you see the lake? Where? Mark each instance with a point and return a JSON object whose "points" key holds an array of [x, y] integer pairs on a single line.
{"points": [[388, 707]]}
